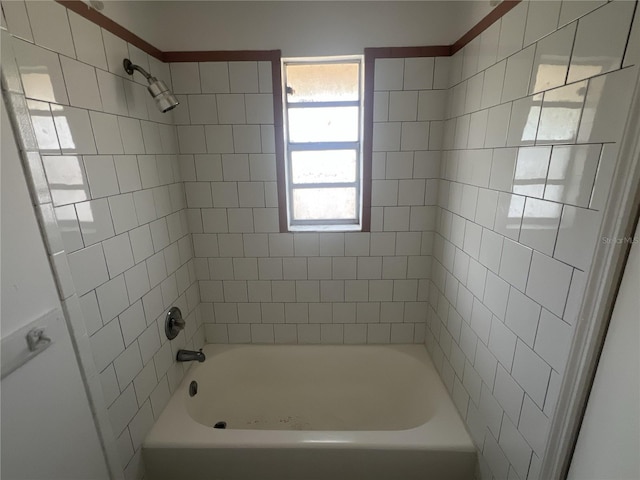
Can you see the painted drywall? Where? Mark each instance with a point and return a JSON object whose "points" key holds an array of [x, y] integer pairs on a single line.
{"points": [[609, 439], [43, 401], [307, 28]]}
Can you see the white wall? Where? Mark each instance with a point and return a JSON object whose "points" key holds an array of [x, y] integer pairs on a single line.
{"points": [[47, 428], [609, 439], [304, 28]]}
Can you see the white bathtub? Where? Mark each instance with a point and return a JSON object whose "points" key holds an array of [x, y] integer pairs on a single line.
{"points": [[311, 413]]}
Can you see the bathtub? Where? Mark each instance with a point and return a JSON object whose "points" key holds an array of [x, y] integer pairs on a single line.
{"points": [[311, 413]]}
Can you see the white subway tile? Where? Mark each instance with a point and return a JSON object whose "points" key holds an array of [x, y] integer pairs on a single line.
{"points": [[431, 105], [123, 410], [493, 83], [246, 139], [600, 41], [101, 173], [151, 137], [572, 172], [137, 280], [403, 106], [491, 250], [132, 323], [514, 266], [389, 74], [191, 139], [259, 108], [531, 372], [137, 99], [141, 243], [131, 135], [117, 251], [523, 127], [88, 268], [156, 268], [540, 224], [551, 61], [109, 384], [542, 19], [522, 316], [149, 342], [82, 85], [17, 20], [106, 344], [106, 132], [231, 109], [515, 447], [418, 73], [95, 221], [116, 50], [561, 127], [214, 77], [243, 77], [549, 282], [140, 426], [473, 96], [531, 171], [91, 313], [512, 31], [386, 137], [31, 58], [185, 77], [496, 295], [578, 236], [50, 26], [508, 393], [608, 95], [497, 125], [495, 457], [502, 343], [112, 298]]}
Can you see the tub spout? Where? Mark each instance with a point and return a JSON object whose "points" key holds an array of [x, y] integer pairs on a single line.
{"points": [[190, 356]]}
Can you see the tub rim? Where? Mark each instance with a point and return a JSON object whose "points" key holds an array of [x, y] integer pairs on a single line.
{"points": [[444, 431]]}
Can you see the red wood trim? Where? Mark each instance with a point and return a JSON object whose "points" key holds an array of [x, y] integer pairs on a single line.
{"points": [[485, 23], [278, 124], [409, 52], [367, 136], [222, 56], [99, 19]]}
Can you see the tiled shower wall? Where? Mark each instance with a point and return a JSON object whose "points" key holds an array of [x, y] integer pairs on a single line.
{"points": [[536, 111], [261, 286], [104, 166], [495, 245]]}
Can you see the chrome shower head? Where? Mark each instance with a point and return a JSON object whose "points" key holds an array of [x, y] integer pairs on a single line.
{"points": [[165, 100]]}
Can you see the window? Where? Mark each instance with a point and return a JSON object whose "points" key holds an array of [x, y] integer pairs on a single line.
{"points": [[323, 143]]}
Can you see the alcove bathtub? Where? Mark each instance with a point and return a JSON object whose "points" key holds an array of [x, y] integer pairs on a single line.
{"points": [[311, 412]]}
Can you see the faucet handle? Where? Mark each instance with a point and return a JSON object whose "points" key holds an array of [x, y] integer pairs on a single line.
{"points": [[173, 323]]}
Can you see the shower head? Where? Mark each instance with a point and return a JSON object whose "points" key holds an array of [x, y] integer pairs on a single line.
{"points": [[165, 100]]}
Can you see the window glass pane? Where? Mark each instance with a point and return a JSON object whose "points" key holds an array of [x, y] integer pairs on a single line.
{"points": [[323, 166], [322, 82], [324, 203], [334, 124]]}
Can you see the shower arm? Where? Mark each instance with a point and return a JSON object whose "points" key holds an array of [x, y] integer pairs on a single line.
{"points": [[130, 67]]}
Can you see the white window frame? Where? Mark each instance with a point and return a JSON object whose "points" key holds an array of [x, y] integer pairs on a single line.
{"points": [[289, 147]]}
